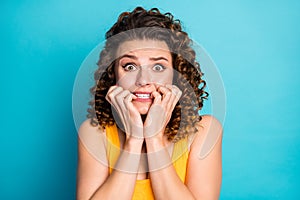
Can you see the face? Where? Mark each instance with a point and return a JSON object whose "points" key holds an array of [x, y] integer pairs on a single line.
{"points": [[141, 67]]}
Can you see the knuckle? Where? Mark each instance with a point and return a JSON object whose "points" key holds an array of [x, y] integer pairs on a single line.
{"points": [[110, 96], [179, 93], [118, 96]]}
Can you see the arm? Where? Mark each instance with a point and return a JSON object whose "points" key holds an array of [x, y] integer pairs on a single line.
{"points": [[164, 180], [204, 172], [93, 180]]}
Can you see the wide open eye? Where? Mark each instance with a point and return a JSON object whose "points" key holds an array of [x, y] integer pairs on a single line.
{"points": [[158, 67], [129, 67]]}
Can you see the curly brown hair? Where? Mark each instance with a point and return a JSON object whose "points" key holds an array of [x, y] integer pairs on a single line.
{"points": [[152, 25]]}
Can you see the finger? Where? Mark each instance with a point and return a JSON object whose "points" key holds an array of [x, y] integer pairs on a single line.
{"points": [[170, 87], [129, 105], [133, 118], [128, 100], [157, 97], [112, 88], [166, 94], [121, 96], [112, 92], [120, 100], [111, 96], [173, 90], [176, 91], [163, 90], [175, 96]]}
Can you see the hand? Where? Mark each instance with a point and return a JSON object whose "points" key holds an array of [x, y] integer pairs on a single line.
{"points": [[160, 112], [131, 119]]}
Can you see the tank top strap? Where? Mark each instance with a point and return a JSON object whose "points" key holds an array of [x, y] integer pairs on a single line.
{"points": [[113, 146], [180, 157]]}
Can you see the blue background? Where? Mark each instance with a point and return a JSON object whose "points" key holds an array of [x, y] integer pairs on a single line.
{"points": [[255, 45]]}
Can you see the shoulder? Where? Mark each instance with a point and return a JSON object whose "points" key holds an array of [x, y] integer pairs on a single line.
{"points": [[92, 169], [86, 129], [208, 136], [86, 126], [209, 122], [204, 171], [92, 139]]}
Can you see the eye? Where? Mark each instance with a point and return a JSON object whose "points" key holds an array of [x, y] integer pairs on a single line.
{"points": [[158, 67], [129, 67]]}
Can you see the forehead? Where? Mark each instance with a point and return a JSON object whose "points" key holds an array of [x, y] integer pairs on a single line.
{"points": [[143, 46]]}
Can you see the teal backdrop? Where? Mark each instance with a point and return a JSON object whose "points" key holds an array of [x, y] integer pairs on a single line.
{"points": [[255, 45]]}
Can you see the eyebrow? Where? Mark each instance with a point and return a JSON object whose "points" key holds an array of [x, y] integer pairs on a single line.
{"points": [[128, 56], [159, 58], [135, 58]]}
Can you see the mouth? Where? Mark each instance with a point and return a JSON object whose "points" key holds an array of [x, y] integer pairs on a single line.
{"points": [[143, 96]]}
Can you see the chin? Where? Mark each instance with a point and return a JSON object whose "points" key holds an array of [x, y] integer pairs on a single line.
{"points": [[143, 111], [143, 108]]}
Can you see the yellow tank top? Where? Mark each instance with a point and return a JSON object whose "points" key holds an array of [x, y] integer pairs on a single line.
{"points": [[143, 190]]}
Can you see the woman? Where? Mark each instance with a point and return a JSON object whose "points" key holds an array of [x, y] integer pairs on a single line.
{"points": [[144, 133]]}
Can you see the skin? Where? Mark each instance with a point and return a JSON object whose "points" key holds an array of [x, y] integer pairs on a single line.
{"points": [[146, 71], [143, 70], [144, 88]]}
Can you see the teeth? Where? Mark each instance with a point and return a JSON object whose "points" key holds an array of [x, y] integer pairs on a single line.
{"points": [[143, 96]]}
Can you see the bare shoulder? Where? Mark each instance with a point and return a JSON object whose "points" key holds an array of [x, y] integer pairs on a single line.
{"points": [[86, 126], [209, 135], [204, 172], [87, 131], [209, 122], [92, 139], [92, 168]]}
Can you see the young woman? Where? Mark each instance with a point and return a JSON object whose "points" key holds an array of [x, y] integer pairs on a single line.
{"points": [[144, 134]]}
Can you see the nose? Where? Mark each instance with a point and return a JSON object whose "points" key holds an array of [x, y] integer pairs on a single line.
{"points": [[143, 77]]}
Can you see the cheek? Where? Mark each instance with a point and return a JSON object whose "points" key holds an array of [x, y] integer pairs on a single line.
{"points": [[166, 78], [126, 81]]}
